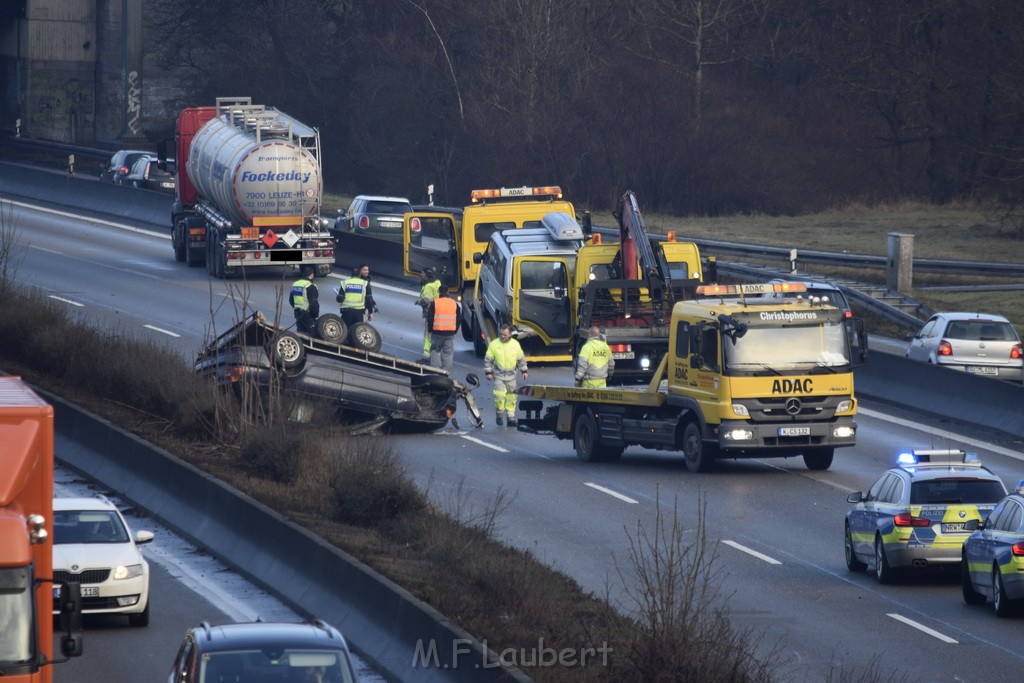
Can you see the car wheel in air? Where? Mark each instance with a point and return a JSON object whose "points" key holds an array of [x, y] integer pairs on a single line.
{"points": [[852, 562], [332, 328], [366, 337], [287, 351]]}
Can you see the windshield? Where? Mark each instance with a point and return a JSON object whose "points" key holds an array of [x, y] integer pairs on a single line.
{"points": [[15, 618], [288, 666], [955, 491], [784, 348], [88, 526]]}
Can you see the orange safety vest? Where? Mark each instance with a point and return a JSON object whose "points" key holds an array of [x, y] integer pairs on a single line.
{"points": [[444, 315]]}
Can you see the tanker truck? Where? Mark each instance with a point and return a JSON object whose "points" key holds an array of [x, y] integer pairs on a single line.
{"points": [[248, 189], [28, 593]]}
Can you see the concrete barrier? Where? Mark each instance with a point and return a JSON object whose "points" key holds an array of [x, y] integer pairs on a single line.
{"points": [[384, 623]]}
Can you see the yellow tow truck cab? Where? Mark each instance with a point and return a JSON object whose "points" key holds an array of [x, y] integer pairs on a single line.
{"points": [[446, 240], [744, 376]]}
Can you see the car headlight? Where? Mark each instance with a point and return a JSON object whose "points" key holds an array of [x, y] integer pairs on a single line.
{"points": [[844, 406], [127, 572], [843, 432], [738, 435], [740, 409]]}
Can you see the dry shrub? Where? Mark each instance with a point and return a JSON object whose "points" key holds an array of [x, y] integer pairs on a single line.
{"points": [[671, 588], [274, 452], [369, 485]]}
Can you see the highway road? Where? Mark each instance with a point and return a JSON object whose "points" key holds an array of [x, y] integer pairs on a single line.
{"points": [[778, 525]]}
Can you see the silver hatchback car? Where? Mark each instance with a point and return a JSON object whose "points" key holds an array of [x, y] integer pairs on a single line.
{"points": [[978, 343]]}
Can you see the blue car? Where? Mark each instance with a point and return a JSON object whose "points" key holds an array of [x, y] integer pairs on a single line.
{"points": [[917, 514], [993, 557]]}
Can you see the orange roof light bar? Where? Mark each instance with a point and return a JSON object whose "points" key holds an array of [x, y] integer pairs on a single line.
{"points": [[741, 290], [525, 191]]}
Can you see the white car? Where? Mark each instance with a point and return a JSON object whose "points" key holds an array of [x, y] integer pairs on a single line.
{"points": [[93, 546], [978, 343]]}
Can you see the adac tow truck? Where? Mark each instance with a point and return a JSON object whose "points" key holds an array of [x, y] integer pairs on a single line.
{"points": [[447, 240], [628, 290], [744, 377]]}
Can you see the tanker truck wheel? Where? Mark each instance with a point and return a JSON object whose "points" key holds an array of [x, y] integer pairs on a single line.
{"points": [[286, 351], [178, 240], [332, 328], [323, 270], [366, 337]]}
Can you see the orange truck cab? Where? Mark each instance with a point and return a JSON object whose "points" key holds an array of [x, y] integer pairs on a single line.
{"points": [[27, 590]]}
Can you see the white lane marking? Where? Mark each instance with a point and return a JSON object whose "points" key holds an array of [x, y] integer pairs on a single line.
{"points": [[1016, 455], [48, 251], [611, 493], [467, 437], [923, 628], [162, 330], [67, 214], [750, 551], [67, 301]]}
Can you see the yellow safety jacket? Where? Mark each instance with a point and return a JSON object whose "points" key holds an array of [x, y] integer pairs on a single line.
{"points": [[299, 298], [355, 293], [595, 360]]}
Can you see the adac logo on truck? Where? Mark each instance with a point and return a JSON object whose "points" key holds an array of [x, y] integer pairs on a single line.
{"points": [[793, 386]]}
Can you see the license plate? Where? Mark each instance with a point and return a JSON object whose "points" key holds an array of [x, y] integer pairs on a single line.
{"points": [[953, 527], [982, 370], [624, 355], [90, 591], [794, 431]]}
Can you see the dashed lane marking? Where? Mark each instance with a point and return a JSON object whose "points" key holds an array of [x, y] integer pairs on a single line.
{"points": [[750, 551], [924, 629], [613, 494]]}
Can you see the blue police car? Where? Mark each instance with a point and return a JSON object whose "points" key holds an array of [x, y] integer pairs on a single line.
{"points": [[916, 514], [993, 557]]}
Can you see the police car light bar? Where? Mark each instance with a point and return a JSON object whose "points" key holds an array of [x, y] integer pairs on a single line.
{"points": [[939, 457], [743, 290], [507, 192]]}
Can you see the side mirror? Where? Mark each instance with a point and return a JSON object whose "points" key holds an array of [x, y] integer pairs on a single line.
{"points": [[478, 258], [695, 362], [855, 497], [143, 537], [70, 599], [973, 525]]}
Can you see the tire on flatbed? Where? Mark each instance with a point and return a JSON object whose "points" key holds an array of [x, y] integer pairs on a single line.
{"points": [[332, 328], [286, 351], [366, 337]]}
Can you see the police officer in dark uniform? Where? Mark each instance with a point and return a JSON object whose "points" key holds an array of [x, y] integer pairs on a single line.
{"points": [[305, 301]]}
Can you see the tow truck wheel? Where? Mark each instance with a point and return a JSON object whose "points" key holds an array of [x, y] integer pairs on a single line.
{"points": [[971, 596], [466, 328], [286, 350], [479, 343], [366, 337], [819, 458], [584, 437], [332, 328], [698, 458]]}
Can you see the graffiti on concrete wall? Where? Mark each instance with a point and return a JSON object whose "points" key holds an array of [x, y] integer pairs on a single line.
{"points": [[134, 105], [59, 100]]}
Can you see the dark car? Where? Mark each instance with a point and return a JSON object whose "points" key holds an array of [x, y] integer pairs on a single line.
{"points": [[147, 174], [993, 557], [374, 215], [263, 651], [363, 390], [917, 514], [120, 164]]}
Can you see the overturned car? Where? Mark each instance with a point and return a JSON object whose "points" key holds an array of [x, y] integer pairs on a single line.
{"points": [[366, 390]]}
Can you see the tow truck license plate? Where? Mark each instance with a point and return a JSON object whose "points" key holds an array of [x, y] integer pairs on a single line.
{"points": [[794, 431], [982, 370], [953, 526], [624, 355]]}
